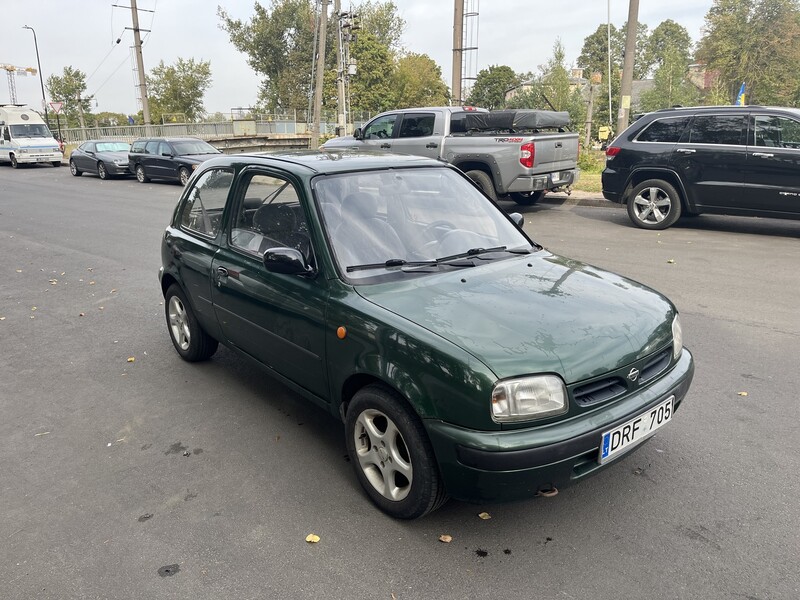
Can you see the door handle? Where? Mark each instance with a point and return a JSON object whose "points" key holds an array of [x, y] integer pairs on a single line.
{"points": [[763, 154], [431, 145], [559, 145], [386, 145], [222, 275], [686, 150]]}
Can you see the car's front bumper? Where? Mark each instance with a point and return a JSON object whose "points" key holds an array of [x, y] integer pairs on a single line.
{"points": [[38, 157], [516, 464], [117, 169]]}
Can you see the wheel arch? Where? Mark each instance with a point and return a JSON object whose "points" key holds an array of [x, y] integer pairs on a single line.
{"points": [[668, 175]]}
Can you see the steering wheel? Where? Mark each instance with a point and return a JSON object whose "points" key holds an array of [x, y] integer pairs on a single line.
{"points": [[432, 231], [381, 134]]}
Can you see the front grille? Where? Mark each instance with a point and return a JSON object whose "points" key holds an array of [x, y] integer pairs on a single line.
{"points": [[599, 391], [655, 365]]}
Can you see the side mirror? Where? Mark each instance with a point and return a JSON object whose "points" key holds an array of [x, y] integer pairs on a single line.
{"points": [[518, 219], [167, 154], [286, 261], [357, 133]]}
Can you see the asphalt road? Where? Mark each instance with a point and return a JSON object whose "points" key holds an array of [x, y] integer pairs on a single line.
{"points": [[161, 479]]}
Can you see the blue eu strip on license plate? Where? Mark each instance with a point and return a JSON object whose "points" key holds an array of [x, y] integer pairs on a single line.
{"points": [[624, 437]]}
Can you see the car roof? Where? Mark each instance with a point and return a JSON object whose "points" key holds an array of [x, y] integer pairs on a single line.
{"points": [[724, 108], [325, 162]]}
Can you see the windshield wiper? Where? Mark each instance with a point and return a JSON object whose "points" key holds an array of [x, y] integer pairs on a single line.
{"points": [[393, 262], [476, 252]]}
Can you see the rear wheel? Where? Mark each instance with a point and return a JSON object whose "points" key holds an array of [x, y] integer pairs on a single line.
{"points": [[391, 454], [189, 338], [73, 168], [527, 198], [183, 175], [140, 174], [102, 172], [483, 181], [654, 204]]}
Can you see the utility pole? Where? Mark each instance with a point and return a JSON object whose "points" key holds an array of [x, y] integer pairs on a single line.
{"points": [[589, 113], [80, 112], [137, 49], [341, 123], [323, 23], [627, 68], [458, 51]]}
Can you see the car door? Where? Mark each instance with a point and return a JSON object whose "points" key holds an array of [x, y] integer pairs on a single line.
{"points": [[84, 159], [275, 318], [418, 134], [378, 134], [772, 181], [711, 158], [193, 240]]}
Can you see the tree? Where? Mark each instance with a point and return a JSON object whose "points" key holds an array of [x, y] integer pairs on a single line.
{"points": [[418, 82], [668, 36], [756, 42], [594, 54], [382, 21], [178, 89], [671, 87], [109, 119], [70, 88], [491, 85], [371, 88]]}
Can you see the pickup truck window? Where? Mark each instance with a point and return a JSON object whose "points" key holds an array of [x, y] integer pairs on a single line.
{"points": [[380, 128], [417, 125]]}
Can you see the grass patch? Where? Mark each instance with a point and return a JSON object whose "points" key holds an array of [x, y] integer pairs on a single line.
{"points": [[588, 182]]}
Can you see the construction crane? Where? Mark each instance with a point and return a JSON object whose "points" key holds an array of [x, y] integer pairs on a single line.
{"points": [[12, 71]]}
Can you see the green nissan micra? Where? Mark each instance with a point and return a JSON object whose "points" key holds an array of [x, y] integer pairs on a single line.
{"points": [[464, 359]]}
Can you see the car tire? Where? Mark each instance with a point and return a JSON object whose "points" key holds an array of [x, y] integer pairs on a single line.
{"points": [[56, 163], [391, 454], [102, 172], [141, 176], [654, 204], [527, 198], [183, 175], [483, 181], [73, 168], [189, 338], [14, 163]]}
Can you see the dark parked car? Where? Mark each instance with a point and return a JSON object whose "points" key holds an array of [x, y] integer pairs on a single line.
{"points": [[736, 160], [107, 158], [168, 158], [464, 359]]}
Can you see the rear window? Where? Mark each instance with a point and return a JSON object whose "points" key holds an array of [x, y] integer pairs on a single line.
{"points": [[664, 130], [718, 129]]}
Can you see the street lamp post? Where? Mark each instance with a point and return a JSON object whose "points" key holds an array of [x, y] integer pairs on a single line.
{"points": [[41, 80]]}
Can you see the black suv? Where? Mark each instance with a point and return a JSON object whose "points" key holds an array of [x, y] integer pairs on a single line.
{"points": [[168, 158], [736, 160]]}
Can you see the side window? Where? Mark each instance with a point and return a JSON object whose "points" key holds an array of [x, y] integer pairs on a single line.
{"points": [[664, 130], [202, 211], [380, 128], [151, 148], [89, 147], [717, 129], [777, 132], [270, 215], [417, 125], [138, 146], [163, 148]]}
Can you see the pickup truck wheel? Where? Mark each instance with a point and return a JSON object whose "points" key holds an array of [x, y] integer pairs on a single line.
{"points": [[483, 181], [188, 337], [654, 204], [391, 454], [527, 198]]}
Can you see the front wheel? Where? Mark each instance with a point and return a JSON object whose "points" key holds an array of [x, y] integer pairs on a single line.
{"points": [[391, 454], [183, 175], [189, 338], [140, 174], [483, 181], [14, 163], [73, 168], [527, 198], [102, 172], [56, 163], [654, 204]]}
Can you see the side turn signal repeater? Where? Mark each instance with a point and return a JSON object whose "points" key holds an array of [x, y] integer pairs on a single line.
{"points": [[341, 333]]}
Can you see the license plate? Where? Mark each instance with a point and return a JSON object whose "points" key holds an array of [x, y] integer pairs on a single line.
{"points": [[619, 440]]}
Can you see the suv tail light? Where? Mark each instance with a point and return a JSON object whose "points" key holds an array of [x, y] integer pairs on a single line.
{"points": [[527, 153], [612, 151]]}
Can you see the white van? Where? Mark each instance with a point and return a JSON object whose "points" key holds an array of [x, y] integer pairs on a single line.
{"points": [[25, 138]]}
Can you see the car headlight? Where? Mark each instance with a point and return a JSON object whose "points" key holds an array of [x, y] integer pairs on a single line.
{"points": [[528, 398], [23, 150], [194, 167], [120, 162], [677, 337]]}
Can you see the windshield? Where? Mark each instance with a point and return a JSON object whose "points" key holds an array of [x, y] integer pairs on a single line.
{"points": [[412, 220], [113, 146], [32, 130], [194, 147]]}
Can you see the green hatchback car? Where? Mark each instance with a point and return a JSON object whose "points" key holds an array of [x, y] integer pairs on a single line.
{"points": [[464, 359]]}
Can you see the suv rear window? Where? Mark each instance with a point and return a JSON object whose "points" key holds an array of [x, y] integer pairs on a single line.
{"points": [[717, 129], [664, 130]]}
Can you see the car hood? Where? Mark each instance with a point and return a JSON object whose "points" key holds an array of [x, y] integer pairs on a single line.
{"points": [[346, 141], [535, 314], [36, 142]]}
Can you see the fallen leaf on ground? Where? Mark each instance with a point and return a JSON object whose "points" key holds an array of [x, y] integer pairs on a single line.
{"points": [[114, 291], [131, 359], [2, 318], [42, 433], [671, 261], [33, 308], [484, 516], [81, 315], [312, 538], [743, 393], [91, 283], [446, 539]]}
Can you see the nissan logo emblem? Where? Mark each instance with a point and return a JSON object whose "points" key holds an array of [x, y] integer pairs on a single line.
{"points": [[634, 374]]}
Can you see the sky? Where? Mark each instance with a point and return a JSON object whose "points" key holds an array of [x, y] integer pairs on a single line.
{"points": [[82, 34]]}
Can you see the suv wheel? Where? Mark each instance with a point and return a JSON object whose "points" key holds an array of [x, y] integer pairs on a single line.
{"points": [[141, 175], [654, 204], [183, 175]]}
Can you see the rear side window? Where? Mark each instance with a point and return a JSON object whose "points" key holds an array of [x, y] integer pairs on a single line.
{"points": [[138, 146], [417, 125], [717, 129], [777, 132], [664, 130]]}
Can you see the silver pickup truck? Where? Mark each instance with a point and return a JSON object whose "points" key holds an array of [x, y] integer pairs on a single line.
{"points": [[516, 154]]}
